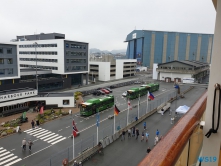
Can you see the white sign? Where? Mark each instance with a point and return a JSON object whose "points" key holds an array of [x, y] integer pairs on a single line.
{"points": [[134, 36], [19, 95]]}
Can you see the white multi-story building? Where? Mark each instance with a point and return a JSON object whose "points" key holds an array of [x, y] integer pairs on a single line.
{"points": [[55, 57], [115, 69]]}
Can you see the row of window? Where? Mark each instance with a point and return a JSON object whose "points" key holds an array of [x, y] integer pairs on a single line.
{"points": [[69, 68], [38, 45], [38, 52], [38, 59], [40, 67], [75, 46], [6, 61], [75, 60], [4, 71], [176, 68], [8, 50], [75, 53]]}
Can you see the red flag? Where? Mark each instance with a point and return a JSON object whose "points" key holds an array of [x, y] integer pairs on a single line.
{"points": [[129, 105], [75, 130], [42, 110]]}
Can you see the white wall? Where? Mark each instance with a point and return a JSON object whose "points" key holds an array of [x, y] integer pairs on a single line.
{"points": [[155, 73], [120, 67], [103, 70], [174, 75], [59, 49]]}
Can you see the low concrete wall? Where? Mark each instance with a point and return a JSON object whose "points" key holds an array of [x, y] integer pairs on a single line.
{"points": [[92, 151]]}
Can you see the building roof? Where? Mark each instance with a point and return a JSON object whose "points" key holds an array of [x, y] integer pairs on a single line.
{"points": [[188, 62]]}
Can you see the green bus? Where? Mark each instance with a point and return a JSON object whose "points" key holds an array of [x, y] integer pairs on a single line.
{"points": [[91, 106], [152, 87], [135, 92]]}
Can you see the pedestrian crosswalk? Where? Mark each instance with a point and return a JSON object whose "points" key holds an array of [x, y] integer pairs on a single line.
{"points": [[7, 158], [45, 135]]}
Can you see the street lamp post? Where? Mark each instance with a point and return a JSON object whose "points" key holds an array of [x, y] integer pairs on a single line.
{"points": [[35, 44]]}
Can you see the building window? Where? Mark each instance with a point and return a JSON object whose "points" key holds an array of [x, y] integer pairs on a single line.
{"points": [[10, 71], [2, 71], [1, 50], [66, 102], [10, 61], [67, 45], [1, 61], [9, 51]]}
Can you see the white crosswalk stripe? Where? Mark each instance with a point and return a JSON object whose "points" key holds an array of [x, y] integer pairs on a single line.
{"points": [[45, 135], [7, 158]]}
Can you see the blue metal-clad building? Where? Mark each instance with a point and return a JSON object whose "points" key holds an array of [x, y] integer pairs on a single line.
{"points": [[150, 47]]}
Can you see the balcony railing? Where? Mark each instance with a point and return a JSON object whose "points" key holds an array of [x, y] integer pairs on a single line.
{"points": [[169, 149]]}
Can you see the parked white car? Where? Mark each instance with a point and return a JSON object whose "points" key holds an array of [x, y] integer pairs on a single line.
{"points": [[124, 94]]}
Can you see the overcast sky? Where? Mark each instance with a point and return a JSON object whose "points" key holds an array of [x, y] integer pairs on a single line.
{"points": [[103, 23]]}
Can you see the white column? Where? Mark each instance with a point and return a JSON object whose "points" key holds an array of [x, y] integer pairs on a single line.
{"points": [[211, 145]]}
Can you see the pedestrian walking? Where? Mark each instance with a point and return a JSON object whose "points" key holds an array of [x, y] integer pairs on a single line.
{"points": [[136, 119], [137, 133], [144, 125], [157, 133], [147, 136], [133, 131], [156, 140], [148, 150], [129, 133], [123, 135], [37, 123], [30, 143], [33, 124], [142, 136], [75, 163], [23, 144]]}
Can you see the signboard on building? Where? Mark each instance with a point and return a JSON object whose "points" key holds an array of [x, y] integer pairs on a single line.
{"points": [[18, 95], [134, 35]]}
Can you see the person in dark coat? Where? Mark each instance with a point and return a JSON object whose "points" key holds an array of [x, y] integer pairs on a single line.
{"points": [[148, 150], [137, 133]]}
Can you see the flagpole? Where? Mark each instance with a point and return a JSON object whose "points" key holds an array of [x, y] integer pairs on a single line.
{"points": [[114, 123], [73, 142], [97, 135], [147, 100], [128, 107], [139, 107]]}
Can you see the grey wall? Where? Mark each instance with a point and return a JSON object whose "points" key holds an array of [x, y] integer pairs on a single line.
{"points": [[67, 47], [6, 56]]}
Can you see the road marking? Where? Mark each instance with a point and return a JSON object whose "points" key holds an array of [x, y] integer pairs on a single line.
{"points": [[13, 162], [7, 156], [35, 140], [81, 121], [54, 139], [59, 130], [12, 150], [67, 127], [37, 152]]}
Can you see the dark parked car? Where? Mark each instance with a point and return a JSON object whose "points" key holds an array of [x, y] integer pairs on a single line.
{"points": [[108, 89], [97, 93]]}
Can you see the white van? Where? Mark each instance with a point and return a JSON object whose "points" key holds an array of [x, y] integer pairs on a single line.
{"points": [[124, 94]]}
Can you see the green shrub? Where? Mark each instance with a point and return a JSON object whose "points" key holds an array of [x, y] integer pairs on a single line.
{"points": [[59, 112], [76, 95], [6, 125], [47, 113], [41, 121], [9, 131]]}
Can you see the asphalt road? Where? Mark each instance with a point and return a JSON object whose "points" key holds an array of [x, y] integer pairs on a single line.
{"points": [[54, 137], [131, 151]]}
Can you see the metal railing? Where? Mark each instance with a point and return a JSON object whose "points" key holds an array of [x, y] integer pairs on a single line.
{"points": [[169, 149]]}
